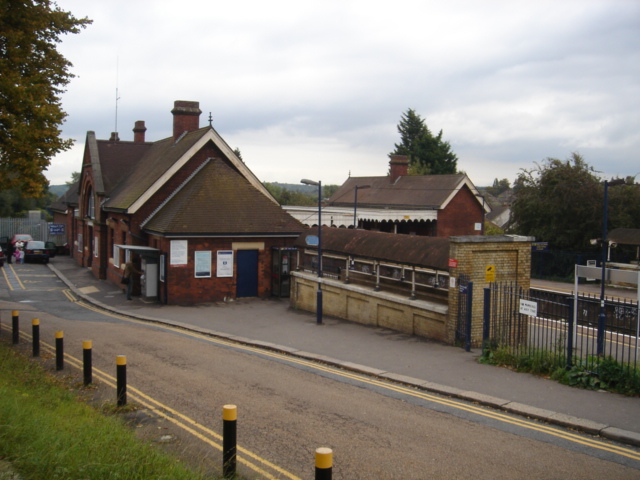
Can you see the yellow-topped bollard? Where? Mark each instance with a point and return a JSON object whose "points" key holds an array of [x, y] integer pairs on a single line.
{"points": [[121, 380], [15, 326], [324, 463], [35, 335], [229, 440], [60, 350], [87, 364]]}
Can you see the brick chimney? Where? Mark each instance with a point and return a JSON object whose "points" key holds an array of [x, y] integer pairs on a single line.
{"points": [[186, 117], [114, 137], [138, 132], [398, 167]]}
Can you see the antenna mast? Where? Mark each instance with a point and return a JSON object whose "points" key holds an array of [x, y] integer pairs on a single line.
{"points": [[117, 97]]}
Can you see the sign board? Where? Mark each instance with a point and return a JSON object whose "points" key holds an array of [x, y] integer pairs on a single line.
{"points": [[453, 263], [202, 264], [56, 229], [527, 307], [490, 273], [312, 240], [178, 254], [611, 274], [225, 263], [592, 263], [477, 227], [539, 246]]}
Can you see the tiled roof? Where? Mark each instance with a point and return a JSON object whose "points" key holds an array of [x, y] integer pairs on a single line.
{"points": [[413, 250], [152, 165], [117, 159], [70, 197], [219, 200], [625, 236], [415, 191]]}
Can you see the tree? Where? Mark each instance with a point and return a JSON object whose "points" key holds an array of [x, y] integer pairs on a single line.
{"points": [[33, 78], [499, 187], [559, 202], [428, 154], [75, 177]]}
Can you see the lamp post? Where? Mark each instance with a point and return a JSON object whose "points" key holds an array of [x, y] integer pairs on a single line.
{"points": [[602, 317], [319, 295], [355, 205]]}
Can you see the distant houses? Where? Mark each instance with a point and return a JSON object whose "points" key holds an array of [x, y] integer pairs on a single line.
{"points": [[427, 205]]}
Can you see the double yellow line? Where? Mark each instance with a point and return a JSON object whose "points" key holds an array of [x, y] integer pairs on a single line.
{"points": [[595, 443], [256, 463]]}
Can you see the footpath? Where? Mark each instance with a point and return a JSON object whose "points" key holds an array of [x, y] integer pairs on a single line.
{"points": [[378, 352]]}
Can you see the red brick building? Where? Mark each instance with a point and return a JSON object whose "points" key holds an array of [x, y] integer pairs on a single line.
{"points": [[203, 226], [428, 205]]}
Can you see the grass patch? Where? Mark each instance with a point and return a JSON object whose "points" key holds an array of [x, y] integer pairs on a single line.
{"points": [[45, 432], [593, 373]]}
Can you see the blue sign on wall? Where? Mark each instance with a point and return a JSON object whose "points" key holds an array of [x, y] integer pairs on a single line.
{"points": [[56, 229]]}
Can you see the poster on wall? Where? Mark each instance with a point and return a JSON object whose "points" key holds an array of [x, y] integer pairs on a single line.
{"points": [[225, 263], [178, 254], [202, 264]]}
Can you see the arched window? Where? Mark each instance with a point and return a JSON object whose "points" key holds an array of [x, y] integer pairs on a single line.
{"points": [[91, 206]]}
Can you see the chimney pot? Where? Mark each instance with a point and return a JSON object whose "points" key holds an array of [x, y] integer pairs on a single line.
{"points": [[114, 137], [398, 167], [138, 131], [186, 117]]}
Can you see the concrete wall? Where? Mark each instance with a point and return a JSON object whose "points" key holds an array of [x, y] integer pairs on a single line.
{"points": [[481, 259], [363, 305]]}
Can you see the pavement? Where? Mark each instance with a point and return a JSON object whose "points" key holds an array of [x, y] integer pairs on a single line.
{"points": [[382, 353]]}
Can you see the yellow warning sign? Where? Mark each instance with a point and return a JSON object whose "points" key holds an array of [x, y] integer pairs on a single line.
{"points": [[490, 273]]}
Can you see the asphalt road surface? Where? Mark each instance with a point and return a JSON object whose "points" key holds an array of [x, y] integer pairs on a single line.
{"points": [[288, 407]]}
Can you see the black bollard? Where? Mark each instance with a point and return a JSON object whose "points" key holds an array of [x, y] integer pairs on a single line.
{"points": [[229, 421], [15, 324], [87, 367], [60, 350], [121, 376], [35, 333]]}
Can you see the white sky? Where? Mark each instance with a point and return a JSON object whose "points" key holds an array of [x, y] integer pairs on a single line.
{"points": [[316, 89]]}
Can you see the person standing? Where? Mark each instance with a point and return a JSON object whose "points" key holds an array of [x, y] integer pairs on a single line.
{"points": [[129, 271], [10, 250]]}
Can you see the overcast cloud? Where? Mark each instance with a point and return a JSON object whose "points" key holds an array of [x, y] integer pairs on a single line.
{"points": [[316, 89]]}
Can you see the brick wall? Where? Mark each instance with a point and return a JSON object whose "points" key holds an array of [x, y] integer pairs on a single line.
{"points": [[509, 257], [460, 215]]}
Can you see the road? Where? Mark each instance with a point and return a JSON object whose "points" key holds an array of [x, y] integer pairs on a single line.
{"points": [[287, 407]]}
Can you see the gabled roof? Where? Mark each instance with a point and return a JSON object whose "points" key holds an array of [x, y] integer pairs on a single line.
{"points": [[111, 161], [162, 160], [218, 200], [70, 197], [412, 191]]}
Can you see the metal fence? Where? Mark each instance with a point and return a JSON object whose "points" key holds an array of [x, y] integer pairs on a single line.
{"points": [[546, 326], [35, 226]]}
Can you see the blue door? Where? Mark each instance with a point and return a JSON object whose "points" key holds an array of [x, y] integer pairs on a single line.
{"points": [[247, 271]]}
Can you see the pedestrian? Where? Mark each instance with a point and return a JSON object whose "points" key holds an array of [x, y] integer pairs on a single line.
{"points": [[10, 250], [127, 277], [20, 256]]}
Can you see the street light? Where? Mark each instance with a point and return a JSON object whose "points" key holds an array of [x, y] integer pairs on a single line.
{"points": [[355, 205], [319, 296]]}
